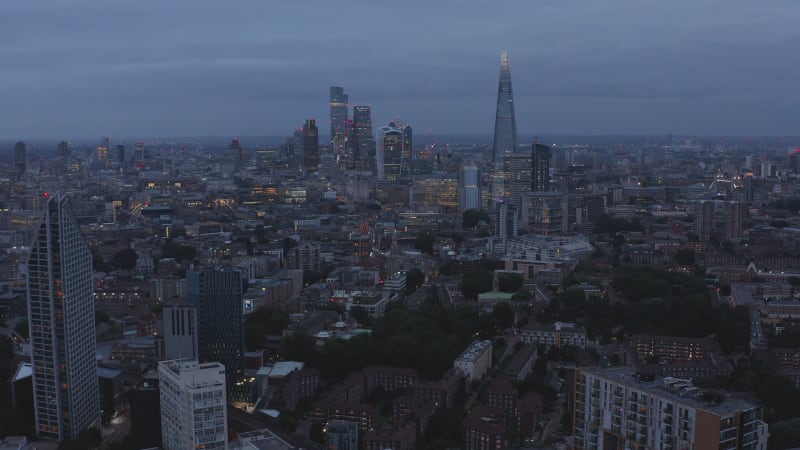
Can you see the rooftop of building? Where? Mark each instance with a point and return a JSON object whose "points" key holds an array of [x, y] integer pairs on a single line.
{"points": [[260, 440], [475, 351], [280, 369], [678, 390], [564, 327]]}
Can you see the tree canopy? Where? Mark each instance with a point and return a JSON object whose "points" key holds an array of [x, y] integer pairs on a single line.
{"points": [[472, 217]]}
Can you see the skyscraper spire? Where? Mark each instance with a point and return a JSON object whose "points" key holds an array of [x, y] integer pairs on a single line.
{"points": [[505, 131]]}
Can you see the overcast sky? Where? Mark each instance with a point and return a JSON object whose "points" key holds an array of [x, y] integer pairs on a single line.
{"points": [[141, 68]]}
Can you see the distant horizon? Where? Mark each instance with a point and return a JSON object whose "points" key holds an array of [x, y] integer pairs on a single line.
{"points": [[260, 141]]}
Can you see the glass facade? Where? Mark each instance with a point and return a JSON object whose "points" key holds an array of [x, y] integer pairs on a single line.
{"points": [[505, 131], [217, 294], [61, 320]]}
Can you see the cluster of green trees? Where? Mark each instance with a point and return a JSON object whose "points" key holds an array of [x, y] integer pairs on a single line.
{"points": [[472, 217], [789, 204], [637, 284], [424, 242], [427, 340], [478, 281], [178, 251], [659, 302], [261, 323], [124, 259], [414, 279], [612, 225]]}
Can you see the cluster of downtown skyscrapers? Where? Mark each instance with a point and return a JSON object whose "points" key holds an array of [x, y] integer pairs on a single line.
{"points": [[353, 144], [60, 276], [388, 153]]}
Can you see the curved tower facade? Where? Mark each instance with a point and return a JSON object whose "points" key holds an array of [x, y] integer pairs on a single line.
{"points": [[505, 132]]}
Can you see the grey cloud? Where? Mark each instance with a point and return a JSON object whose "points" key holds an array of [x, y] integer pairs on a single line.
{"points": [[260, 67]]}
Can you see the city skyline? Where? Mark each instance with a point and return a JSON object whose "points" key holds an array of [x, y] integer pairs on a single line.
{"points": [[618, 68]]}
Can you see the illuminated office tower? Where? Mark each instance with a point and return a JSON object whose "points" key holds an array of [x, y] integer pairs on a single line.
{"points": [[66, 398], [470, 187], [505, 131], [390, 152], [364, 146], [520, 178], [20, 157], [310, 146], [102, 149], [338, 116], [194, 411], [217, 295], [541, 168], [406, 153]]}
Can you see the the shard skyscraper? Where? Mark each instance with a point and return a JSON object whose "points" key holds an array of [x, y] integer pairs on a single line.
{"points": [[505, 133]]}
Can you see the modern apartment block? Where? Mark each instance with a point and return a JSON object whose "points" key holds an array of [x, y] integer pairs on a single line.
{"points": [[616, 408], [475, 360], [193, 405], [61, 317], [558, 334]]}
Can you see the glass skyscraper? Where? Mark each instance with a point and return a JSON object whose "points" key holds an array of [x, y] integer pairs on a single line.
{"points": [[505, 132], [310, 146], [217, 295], [338, 115], [364, 148], [61, 318], [390, 156], [541, 168]]}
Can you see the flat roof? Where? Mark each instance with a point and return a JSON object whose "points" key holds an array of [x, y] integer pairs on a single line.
{"points": [[627, 377]]}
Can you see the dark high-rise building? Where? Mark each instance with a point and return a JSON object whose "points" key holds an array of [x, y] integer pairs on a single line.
{"points": [[120, 156], [704, 220], [20, 156], [520, 178], [505, 131], [364, 148], [407, 149], [63, 149], [236, 153], [541, 168], [733, 220], [506, 221], [339, 107], [61, 319], [310, 146], [139, 152], [217, 295], [390, 154], [346, 144]]}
